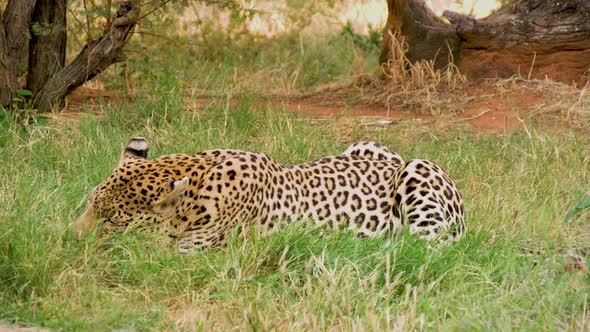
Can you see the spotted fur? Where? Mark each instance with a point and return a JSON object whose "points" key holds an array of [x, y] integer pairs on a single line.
{"points": [[426, 198], [373, 150], [197, 199]]}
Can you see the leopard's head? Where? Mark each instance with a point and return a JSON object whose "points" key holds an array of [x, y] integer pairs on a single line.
{"points": [[139, 192]]}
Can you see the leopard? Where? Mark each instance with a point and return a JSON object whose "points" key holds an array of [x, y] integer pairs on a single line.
{"points": [[198, 199], [373, 150], [426, 197]]}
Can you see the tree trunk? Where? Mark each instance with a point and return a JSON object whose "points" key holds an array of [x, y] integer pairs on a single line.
{"points": [[14, 29], [47, 77], [535, 38], [94, 58], [47, 48], [428, 36]]}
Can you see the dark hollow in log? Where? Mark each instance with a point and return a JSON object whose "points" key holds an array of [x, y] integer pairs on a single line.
{"points": [[534, 38]]}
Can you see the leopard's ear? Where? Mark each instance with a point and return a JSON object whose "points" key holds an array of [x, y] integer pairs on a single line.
{"points": [[172, 195], [137, 148]]}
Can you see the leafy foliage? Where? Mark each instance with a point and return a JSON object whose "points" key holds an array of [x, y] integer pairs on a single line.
{"points": [[372, 42]]}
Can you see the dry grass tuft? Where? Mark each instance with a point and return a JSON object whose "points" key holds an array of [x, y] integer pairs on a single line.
{"points": [[418, 86], [569, 103], [421, 88], [401, 84]]}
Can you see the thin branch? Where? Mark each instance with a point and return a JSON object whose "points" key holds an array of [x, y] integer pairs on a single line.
{"points": [[109, 4], [77, 20], [88, 37], [220, 3], [162, 4]]}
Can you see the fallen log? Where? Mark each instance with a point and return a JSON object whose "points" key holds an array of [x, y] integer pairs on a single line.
{"points": [[533, 38]]}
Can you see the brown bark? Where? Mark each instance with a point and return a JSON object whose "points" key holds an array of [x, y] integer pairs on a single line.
{"points": [[14, 27], [530, 37], [427, 36], [94, 58], [47, 48]]}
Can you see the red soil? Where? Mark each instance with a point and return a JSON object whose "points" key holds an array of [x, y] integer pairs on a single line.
{"points": [[488, 110]]}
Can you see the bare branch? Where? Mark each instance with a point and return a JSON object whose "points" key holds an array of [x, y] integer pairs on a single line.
{"points": [[162, 4], [79, 22], [109, 6], [88, 37]]}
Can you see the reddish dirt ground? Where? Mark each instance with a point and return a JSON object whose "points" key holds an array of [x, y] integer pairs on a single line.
{"points": [[487, 109], [503, 112]]}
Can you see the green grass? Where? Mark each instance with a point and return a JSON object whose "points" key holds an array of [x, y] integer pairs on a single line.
{"points": [[517, 187], [517, 190], [242, 64]]}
